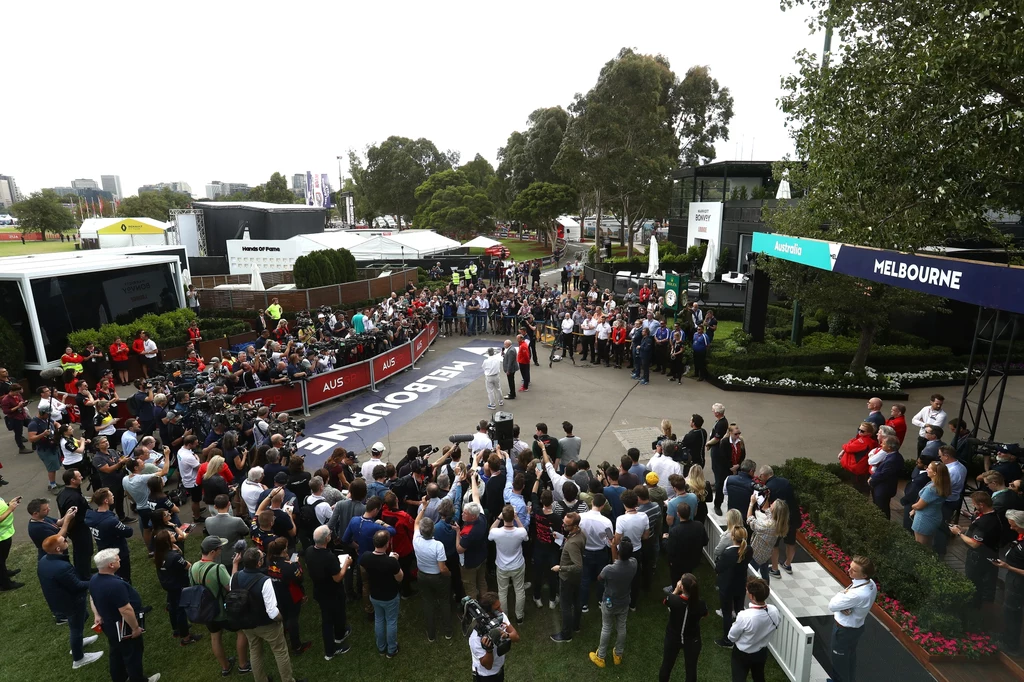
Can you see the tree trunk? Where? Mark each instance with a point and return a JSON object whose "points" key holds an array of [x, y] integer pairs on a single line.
{"points": [[627, 230], [597, 229], [42, 232], [867, 338]]}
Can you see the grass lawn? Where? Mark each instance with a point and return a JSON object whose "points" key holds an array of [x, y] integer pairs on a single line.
{"points": [[31, 639], [28, 248]]}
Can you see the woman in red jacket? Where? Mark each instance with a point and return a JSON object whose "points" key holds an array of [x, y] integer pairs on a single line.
{"points": [[854, 455], [618, 342], [194, 335], [119, 358]]}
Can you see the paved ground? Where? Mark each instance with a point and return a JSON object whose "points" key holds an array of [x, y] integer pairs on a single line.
{"points": [[607, 409]]}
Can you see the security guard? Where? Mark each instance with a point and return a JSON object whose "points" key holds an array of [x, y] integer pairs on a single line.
{"points": [[472, 272], [851, 608], [455, 278], [982, 540], [1013, 602]]}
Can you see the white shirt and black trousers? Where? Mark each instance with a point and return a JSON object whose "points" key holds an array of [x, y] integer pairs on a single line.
{"points": [[750, 634], [851, 608]]}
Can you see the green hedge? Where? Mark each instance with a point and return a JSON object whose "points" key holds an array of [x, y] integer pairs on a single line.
{"points": [[167, 330], [907, 571]]}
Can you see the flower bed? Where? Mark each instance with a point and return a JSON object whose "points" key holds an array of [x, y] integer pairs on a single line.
{"points": [[970, 644], [801, 381]]}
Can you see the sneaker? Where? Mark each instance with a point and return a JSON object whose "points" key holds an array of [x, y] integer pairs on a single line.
{"points": [[60, 621], [490, 406], [585, 609], [539, 603], [718, 511], [724, 643], [527, 585], [86, 659], [644, 382], [431, 639], [501, 402], [632, 608], [13, 585], [718, 612], [246, 669], [303, 648], [616, 659], [392, 654], [519, 621], [448, 636], [788, 568], [559, 638], [348, 631], [599, 662], [86, 641], [553, 604], [339, 649], [154, 678], [775, 573], [191, 639], [24, 451]]}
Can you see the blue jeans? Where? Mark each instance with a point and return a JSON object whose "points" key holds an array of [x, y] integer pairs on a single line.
{"points": [[470, 323], [385, 623], [593, 562]]}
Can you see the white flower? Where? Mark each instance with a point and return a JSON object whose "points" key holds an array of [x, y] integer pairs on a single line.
{"points": [[829, 370]]}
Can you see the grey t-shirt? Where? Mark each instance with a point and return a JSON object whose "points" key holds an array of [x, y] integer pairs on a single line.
{"points": [[137, 487], [569, 449], [617, 579]]}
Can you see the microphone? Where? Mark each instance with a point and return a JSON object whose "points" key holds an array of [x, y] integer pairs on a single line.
{"points": [[460, 438]]}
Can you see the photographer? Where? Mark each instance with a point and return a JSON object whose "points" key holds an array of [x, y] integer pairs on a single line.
{"points": [[142, 402], [41, 433], [486, 661]]}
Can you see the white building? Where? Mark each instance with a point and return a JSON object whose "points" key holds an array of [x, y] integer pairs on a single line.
{"points": [[112, 184], [9, 193], [85, 183]]}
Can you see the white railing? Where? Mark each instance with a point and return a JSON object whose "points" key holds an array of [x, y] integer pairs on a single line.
{"points": [[793, 643]]}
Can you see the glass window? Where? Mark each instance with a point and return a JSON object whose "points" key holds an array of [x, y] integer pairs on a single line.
{"points": [[13, 306], [92, 299]]}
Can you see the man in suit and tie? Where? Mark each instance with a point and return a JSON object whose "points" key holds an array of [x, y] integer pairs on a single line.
{"points": [[884, 481]]}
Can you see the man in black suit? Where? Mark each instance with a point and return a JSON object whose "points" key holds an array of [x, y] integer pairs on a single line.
{"points": [[885, 479], [693, 443], [875, 413], [720, 452]]}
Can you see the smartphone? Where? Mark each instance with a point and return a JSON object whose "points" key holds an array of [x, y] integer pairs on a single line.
{"points": [[993, 560]]}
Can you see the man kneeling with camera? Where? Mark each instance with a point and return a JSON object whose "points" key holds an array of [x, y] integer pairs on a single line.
{"points": [[491, 637]]}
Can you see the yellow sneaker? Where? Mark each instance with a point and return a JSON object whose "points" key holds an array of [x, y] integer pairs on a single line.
{"points": [[599, 662], [616, 659]]}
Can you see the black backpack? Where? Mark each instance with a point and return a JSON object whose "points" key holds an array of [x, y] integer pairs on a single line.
{"points": [[308, 521], [199, 603], [244, 609]]}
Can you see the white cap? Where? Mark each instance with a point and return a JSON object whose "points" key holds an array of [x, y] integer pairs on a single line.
{"points": [[378, 447]]}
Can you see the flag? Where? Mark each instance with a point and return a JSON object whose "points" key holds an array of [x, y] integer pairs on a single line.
{"points": [[92, 208], [81, 211], [326, 185], [100, 199]]}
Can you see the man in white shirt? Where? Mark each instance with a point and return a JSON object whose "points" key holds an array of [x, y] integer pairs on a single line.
{"points": [[568, 340], [149, 358], [557, 479], [508, 535], [589, 327], [251, 489], [604, 333], [188, 466], [376, 452], [932, 415], [636, 527], [481, 441], [322, 511], [851, 608], [598, 530], [485, 306], [434, 576], [492, 379], [664, 466], [57, 407], [751, 631], [487, 662]]}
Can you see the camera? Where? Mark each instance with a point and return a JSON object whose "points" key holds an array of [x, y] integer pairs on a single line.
{"points": [[486, 625]]}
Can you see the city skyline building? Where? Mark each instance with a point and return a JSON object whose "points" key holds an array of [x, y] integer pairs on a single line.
{"points": [[9, 192], [85, 183], [112, 184]]}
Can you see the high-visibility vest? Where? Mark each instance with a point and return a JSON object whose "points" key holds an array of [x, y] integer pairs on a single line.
{"points": [[455, 277], [472, 269]]}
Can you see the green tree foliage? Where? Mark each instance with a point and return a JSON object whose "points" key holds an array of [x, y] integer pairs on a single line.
{"points": [[155, 205], [395, 168], [274, 191], [43, 212], [349, 261], [701, 112], [364, 211], [912, 132], [337, 265], [479, 172], [621, 140], [452, 205], [305, 273], [539, 204], [529, 156], [12, 350]]}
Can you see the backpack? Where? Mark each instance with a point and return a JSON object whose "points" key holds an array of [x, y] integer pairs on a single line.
{"points": [[243, 609], [308, 521], [133, 405], [199, 603]]}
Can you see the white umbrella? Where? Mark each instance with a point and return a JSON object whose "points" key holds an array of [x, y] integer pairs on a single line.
{"points": [[652, 259], [186, 278], [784, 191], [256, 282], [710, 266]]}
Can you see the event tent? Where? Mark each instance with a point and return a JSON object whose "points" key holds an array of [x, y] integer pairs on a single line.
{"points": [[481, 242], [114, 232], [406, 244], [307, 243]]}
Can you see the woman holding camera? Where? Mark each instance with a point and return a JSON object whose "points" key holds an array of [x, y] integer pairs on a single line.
{"points": [[214, 482], [286, 577], [767, 529], [172, 572]]}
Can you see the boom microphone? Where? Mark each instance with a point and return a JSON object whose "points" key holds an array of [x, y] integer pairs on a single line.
{"points": [[460, 438]]}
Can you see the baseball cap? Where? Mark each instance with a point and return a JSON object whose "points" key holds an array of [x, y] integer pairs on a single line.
{"points": [[214, 359], [652, 478], [211, 543], [45, 407], [378, 447]]}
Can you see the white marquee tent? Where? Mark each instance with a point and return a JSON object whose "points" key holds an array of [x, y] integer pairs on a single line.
{"points": [[481, 242], [407, 244]]}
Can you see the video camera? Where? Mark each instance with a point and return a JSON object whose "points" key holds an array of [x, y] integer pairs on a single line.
{"points": [[486, 625]]}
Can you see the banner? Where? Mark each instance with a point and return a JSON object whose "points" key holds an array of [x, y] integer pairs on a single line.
{"points": [[433, 329], [283, 397], [336, 383], [988, 285], [318, 190], [130, 226], [419, 345], [392, 362]]}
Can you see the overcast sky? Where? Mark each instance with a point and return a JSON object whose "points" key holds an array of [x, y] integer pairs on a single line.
{"points": [[198, 91]]}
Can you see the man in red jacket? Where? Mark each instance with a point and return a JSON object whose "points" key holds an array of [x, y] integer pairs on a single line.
{"points": [[401, 543], [523, 358], [854, 454], [897, 420]]}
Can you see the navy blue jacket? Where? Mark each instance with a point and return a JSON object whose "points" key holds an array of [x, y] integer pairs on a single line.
{"points": [[918, 480], [62, 588], [887, 474], [739, 487]]}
